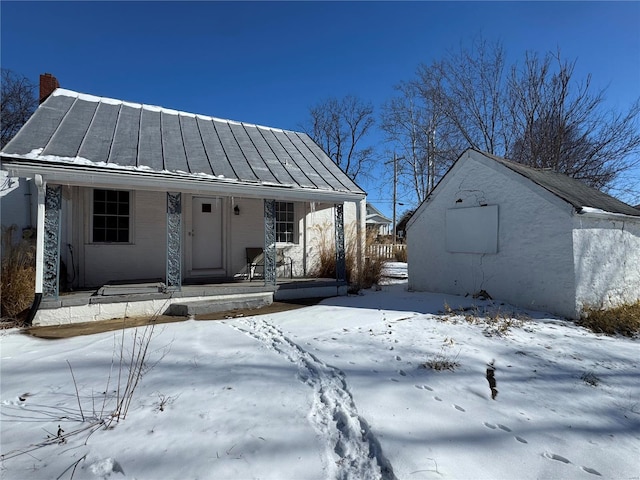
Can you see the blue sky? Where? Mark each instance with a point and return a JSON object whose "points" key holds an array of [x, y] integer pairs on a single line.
{"points": [[268, 62]]}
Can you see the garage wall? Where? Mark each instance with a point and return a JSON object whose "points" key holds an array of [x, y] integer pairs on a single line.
{"points": [[533, 266], [607, 260]]}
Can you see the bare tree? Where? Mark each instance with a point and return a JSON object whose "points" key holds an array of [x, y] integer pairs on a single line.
{"points": [[17, 103], [537, 114], [339, 127], [472, 94], [561, 125], [415, 126]]}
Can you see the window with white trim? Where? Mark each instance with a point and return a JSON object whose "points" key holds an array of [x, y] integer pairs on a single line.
{"points": [[111, 216], [285, 222]]}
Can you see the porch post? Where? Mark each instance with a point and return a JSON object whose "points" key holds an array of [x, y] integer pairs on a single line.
{"points": [[361, 215], [51, 250], [269, 242], [341, 265], [174, 240]]}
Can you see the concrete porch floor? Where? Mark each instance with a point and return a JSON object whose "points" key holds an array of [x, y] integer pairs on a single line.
{"points": [[146, 299], [90, 328]]}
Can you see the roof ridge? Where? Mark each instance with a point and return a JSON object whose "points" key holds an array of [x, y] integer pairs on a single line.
{"points": [[156, 108], [570, 189]]}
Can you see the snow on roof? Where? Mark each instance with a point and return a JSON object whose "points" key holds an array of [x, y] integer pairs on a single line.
{"points": [[76, 128]]}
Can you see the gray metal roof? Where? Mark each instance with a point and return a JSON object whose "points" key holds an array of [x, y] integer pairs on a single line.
{"points": [[103, 133], [573, 191]]}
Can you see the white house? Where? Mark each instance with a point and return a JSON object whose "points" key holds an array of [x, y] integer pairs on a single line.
{"points": [[534, 238], [139, 194], [376, 222]]}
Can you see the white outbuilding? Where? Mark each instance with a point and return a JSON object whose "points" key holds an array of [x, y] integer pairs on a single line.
{"points": [[533, 238]]}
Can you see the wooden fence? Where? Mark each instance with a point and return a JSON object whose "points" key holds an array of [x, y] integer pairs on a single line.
{"points": [[384, 250]]}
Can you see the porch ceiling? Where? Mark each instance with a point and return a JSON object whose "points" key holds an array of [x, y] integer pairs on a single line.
{"points": [[79, 139]]}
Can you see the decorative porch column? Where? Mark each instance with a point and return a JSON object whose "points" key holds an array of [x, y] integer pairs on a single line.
{"points": [[174, 240], [51, 253], [341, 264], [269, 242]]}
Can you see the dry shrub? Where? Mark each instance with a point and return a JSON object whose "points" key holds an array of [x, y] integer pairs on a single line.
{"points": [[494, 321], [444, 359], [400, 255], [325, 261], [624, 320], [18, 274]]}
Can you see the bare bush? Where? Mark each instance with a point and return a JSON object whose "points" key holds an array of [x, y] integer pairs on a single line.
{"points": [[325, 266], [400, 254], [17, 278], [623, 320]]}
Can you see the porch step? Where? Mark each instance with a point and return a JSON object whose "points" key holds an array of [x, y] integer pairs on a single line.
{"points": [[220, 304]]}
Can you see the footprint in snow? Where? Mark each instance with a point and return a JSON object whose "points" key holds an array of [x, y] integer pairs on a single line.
{"points": [[424, 387], [398, 358], [458, 407], [521, 440], [402, 372], [489, 425], [553, 456], [437, 399], [591, 471], [503, 427]]}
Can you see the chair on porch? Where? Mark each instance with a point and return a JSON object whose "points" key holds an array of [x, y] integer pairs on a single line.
{"points": [[255, 261]]}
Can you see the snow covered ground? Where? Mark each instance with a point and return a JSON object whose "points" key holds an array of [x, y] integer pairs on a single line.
{"points": [[336, 390]]}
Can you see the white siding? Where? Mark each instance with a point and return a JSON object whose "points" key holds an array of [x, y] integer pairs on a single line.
{"points": [[247, 230], [534, 264], [607, 261], [145, 258]]}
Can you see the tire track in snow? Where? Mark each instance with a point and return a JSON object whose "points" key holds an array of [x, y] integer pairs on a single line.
{"points": [[353, 452]]}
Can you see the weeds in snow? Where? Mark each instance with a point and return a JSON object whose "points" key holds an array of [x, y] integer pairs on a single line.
{"points": [[131, 365], [495, 321], [624, 320], [590, 378], [444, 360], [164, 400]]}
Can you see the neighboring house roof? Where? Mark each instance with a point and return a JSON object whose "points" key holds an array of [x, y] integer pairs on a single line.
{"points": [[102, 134], [375, 217], [573, 191], [402, 224]]}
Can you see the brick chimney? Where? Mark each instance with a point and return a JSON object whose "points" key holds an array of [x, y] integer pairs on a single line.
{"points": [[48, 83]]}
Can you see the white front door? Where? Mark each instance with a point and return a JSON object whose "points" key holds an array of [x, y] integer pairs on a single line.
{"points": [[206, 234]]}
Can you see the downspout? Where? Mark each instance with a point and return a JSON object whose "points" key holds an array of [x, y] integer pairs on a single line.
{"points": [[41, 185]]}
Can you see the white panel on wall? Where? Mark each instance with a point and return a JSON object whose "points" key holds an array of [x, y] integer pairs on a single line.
{"points": [[472, 230]]}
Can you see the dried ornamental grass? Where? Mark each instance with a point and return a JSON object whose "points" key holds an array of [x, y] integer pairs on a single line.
{"points": [[623, 320], [325, 266], [17, 276]]}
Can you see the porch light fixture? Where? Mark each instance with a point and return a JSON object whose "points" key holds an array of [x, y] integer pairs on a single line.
{"points": [[236, 210]]}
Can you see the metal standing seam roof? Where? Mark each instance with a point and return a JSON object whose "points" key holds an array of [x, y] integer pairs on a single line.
{"points": [[569, 189], [75, 128]]}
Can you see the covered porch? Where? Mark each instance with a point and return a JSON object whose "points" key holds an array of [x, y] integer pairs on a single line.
{"points": [[195, 245], [204, 207]]}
